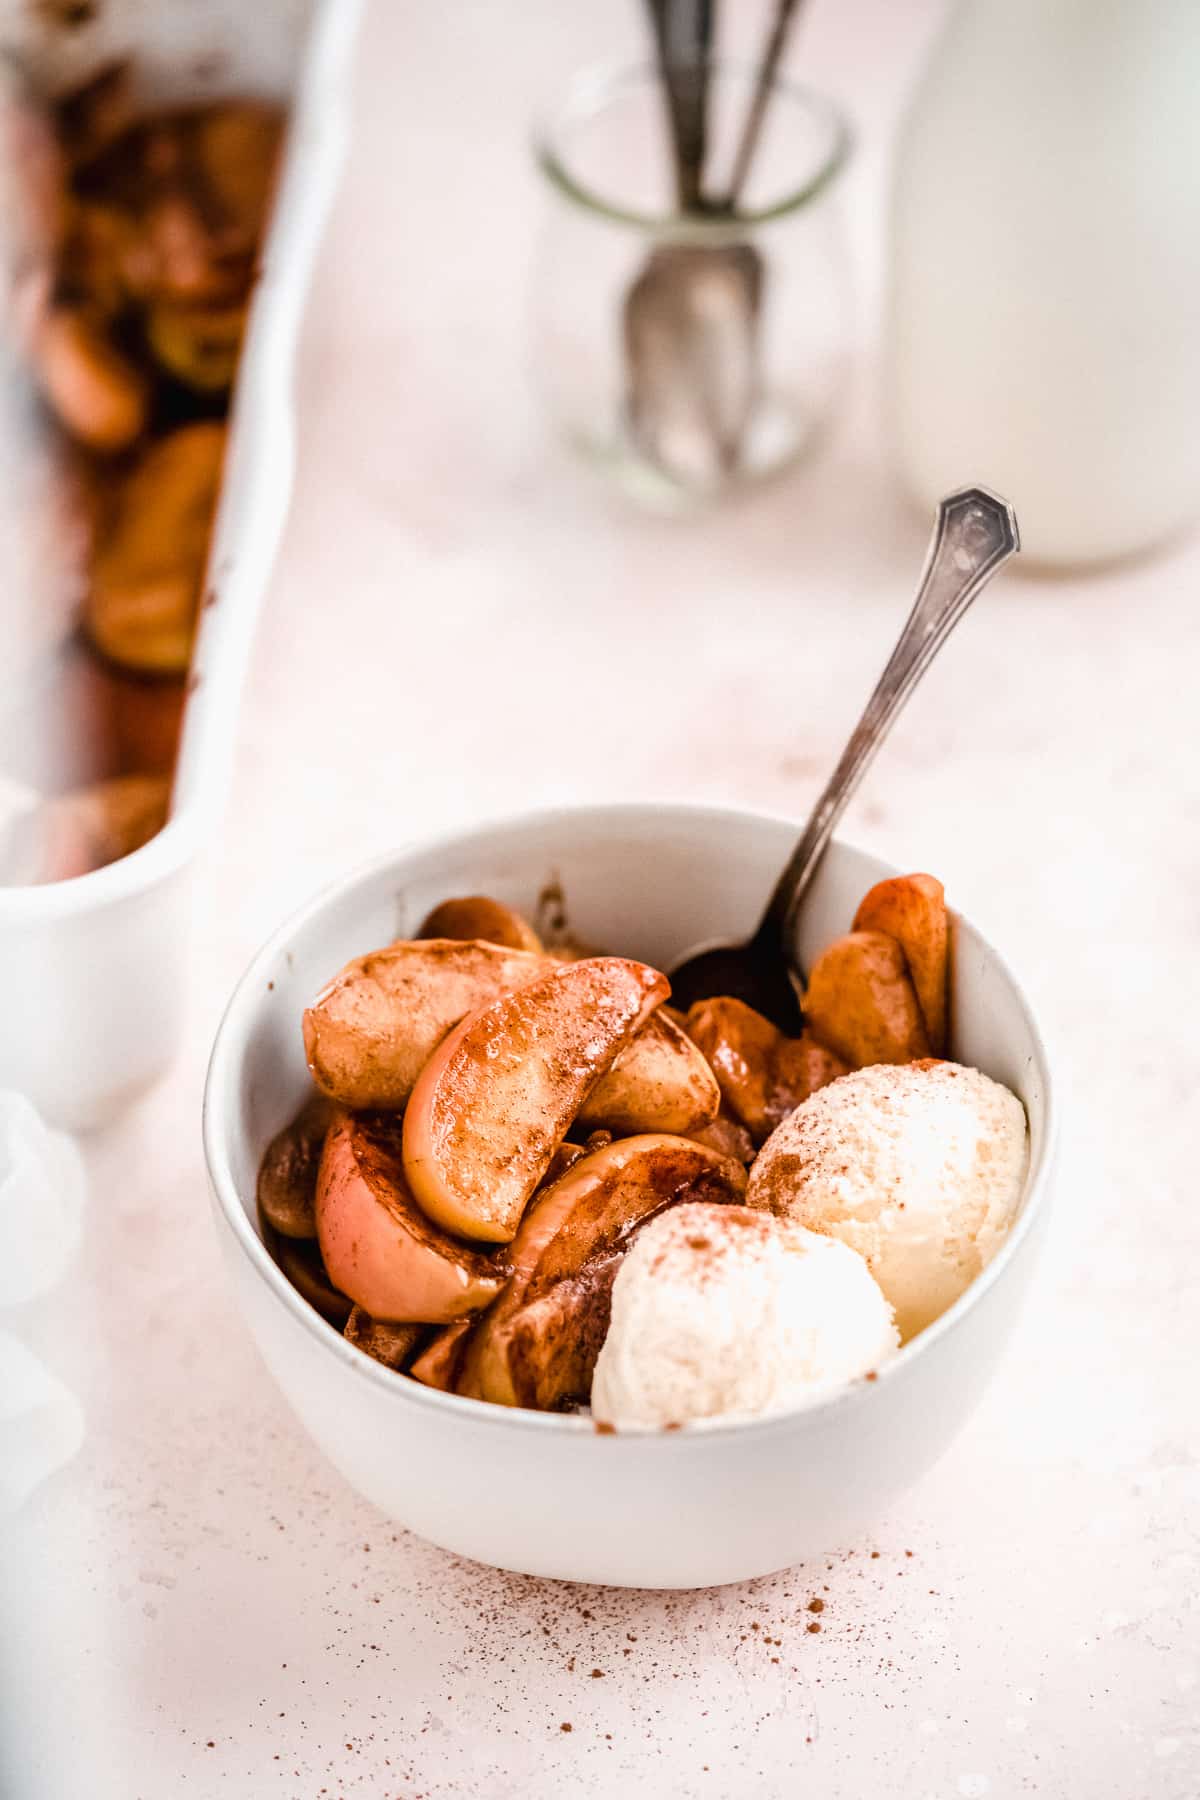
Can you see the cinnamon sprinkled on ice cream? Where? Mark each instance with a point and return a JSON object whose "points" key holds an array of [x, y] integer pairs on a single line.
{"points": [[919, 1167], [717, 1310]]}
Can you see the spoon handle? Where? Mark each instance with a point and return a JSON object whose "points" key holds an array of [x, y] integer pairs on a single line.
{"points": [[974, 534], [764, 83], [691, 26]]}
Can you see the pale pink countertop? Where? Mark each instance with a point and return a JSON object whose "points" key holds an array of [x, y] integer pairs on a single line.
{"points": [[461, 624]]}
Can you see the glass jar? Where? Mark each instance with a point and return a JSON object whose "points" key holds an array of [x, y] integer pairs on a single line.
{"points": [[689, 354]]}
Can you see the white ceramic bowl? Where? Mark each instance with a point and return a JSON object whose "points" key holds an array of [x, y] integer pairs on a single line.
{"points": [[545, 1494]]}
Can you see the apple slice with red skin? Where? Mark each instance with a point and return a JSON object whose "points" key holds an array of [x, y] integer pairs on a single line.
{"points": [[377, 1244], [499, 1094]]}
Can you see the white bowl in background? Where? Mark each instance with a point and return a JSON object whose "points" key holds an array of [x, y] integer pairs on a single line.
{"points": [[546, 1494]]}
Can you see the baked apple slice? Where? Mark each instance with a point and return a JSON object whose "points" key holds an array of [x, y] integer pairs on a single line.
{"points": [[370, 1032], [762, 1075], [301, 1262], [287, 1175], [801, 1066], [478, 916], [912, 909], [144, 582], [235, 147], [89, 827], [585, 1217], [728, 1137], [439, 1363], [377, 1244], [615, 1189], [102, 399], [497, 1097], [384, 1342], [552, 1344], [543, 1218], [661, 1082], [861, 1002], [740, 1045]]}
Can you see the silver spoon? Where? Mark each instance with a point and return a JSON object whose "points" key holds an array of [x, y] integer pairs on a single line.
{"points": [[975, 533], [690, 329], [690, 324]]}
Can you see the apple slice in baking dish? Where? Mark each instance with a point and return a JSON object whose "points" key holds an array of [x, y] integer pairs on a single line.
{"points": [[377, 1244], [499, 1094], [572, 1229]]}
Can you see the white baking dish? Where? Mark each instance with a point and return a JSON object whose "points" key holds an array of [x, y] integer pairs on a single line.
{"points": [[92, 970]]}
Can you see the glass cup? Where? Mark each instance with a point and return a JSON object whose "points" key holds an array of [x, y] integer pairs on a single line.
{"points": [[690, 354]]}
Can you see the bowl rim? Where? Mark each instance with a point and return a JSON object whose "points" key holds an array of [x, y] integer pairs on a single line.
{"points": [[227, 1203]]}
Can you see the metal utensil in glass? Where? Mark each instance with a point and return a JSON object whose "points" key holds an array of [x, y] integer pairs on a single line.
{"points": [[691, 319], [975, 533]]}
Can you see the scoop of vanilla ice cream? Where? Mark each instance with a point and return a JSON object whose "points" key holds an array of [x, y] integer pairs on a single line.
{"points": [[919, 1167], [722, 1312]]}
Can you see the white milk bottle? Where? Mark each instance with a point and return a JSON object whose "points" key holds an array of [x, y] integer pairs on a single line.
{"points": [[1043, 322]]}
